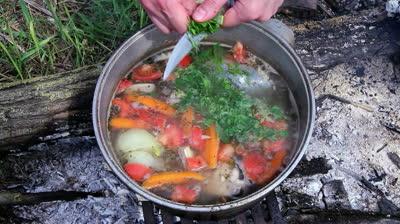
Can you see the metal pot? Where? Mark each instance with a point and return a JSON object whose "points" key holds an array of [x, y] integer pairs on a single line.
{"points": [[269, 41]]}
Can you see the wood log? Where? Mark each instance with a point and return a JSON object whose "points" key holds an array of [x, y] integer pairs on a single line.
{"points": [[59, 105], [56, 105], [16, 198]]}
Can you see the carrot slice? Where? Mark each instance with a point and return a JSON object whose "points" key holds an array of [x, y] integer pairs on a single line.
{"points": [[187, 121], [153, 103], [212, 147], [160, 179], [125, 123]]}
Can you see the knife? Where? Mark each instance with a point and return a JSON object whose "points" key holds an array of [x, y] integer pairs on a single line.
{"points": [[184, 46]]}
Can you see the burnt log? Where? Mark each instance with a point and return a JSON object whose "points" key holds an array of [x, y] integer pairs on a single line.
{"points": [[55, 106]]}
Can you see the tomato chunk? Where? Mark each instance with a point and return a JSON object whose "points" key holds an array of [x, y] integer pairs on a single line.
{"points": [[184, 194], [137, 171], [195, 163], [226, 152], [239, 53], [273, 167], [123, 85], [254, 165], [172, 136], [185, 62], [196, 139], [146, 72], [157, 120]]}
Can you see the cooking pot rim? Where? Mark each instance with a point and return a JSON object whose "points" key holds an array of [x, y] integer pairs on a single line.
{"points": [[101, 137]]}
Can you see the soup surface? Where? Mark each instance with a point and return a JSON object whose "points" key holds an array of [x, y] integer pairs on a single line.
{"points": [[219, 129]]}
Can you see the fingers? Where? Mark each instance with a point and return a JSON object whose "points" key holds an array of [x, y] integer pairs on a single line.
{"points": [[160, 23], [272, 10], [236, 15], [208, 10], [170, 15], [248, 10], [177, 15], [190, 6]]}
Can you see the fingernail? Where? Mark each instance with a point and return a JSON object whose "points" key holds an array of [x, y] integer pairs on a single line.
{"points": [[199, 14]]}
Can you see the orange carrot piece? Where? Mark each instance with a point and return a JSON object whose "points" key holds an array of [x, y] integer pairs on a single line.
{"points": [[212, 147], [125, 123], [187, 121], [153, 104], [159, 179]]}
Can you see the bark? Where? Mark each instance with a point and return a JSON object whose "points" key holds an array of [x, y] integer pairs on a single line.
{"points": [[57, 105]]}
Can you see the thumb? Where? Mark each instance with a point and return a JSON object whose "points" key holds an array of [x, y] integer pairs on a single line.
{"points": [[208, 10]]}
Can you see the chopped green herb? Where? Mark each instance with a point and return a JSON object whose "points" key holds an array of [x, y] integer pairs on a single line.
{"points": [[218, 100], [234, 69], [269, 112], [208, 27], [277, 113]]}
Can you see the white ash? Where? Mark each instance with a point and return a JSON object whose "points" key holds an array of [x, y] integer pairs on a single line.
{"points": [[348, 136], [393, 7]]}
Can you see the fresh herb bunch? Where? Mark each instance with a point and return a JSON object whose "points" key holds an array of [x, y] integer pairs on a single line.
{"points": [[219, 101], [208, 27]]}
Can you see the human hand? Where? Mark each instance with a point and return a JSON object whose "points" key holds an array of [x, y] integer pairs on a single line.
{"points": [[170, 15], [242, 11]]}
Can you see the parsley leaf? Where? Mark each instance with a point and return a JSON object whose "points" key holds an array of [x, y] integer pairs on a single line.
{"points": [[207, 27], [218, 100]]}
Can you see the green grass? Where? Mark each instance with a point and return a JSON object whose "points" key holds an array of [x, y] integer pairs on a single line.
{"points": [[47, 38]]}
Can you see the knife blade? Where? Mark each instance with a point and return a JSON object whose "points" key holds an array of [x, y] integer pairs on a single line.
{"points": [[184, 46]]}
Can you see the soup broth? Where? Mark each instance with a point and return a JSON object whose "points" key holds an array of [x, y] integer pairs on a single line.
{"points": [[220, 128]]}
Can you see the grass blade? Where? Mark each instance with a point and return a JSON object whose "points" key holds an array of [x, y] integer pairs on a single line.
{"points": [[31, 52], [25, 12], [16, 65], [35, 40]]}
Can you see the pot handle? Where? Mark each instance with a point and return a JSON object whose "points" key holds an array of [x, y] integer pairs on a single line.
{"points": [[280, 29]]}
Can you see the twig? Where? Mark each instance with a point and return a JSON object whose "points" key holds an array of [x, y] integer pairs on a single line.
{"points": [[391, 127], [394, 158], [323, 6], [38, 7], [382, 147], [4, 76], [368, 185], [5, 37], [343, 100], [385, 204], [11, 198], [372, 187]]}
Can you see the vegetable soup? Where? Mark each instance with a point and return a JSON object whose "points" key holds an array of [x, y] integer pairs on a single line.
{"points": [[219, 129]]}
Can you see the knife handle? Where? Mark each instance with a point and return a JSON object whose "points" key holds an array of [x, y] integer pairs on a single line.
{"points": [[230, 3]]}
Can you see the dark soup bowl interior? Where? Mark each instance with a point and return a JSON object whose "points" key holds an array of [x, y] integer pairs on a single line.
{"points": [[262, 42]]}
